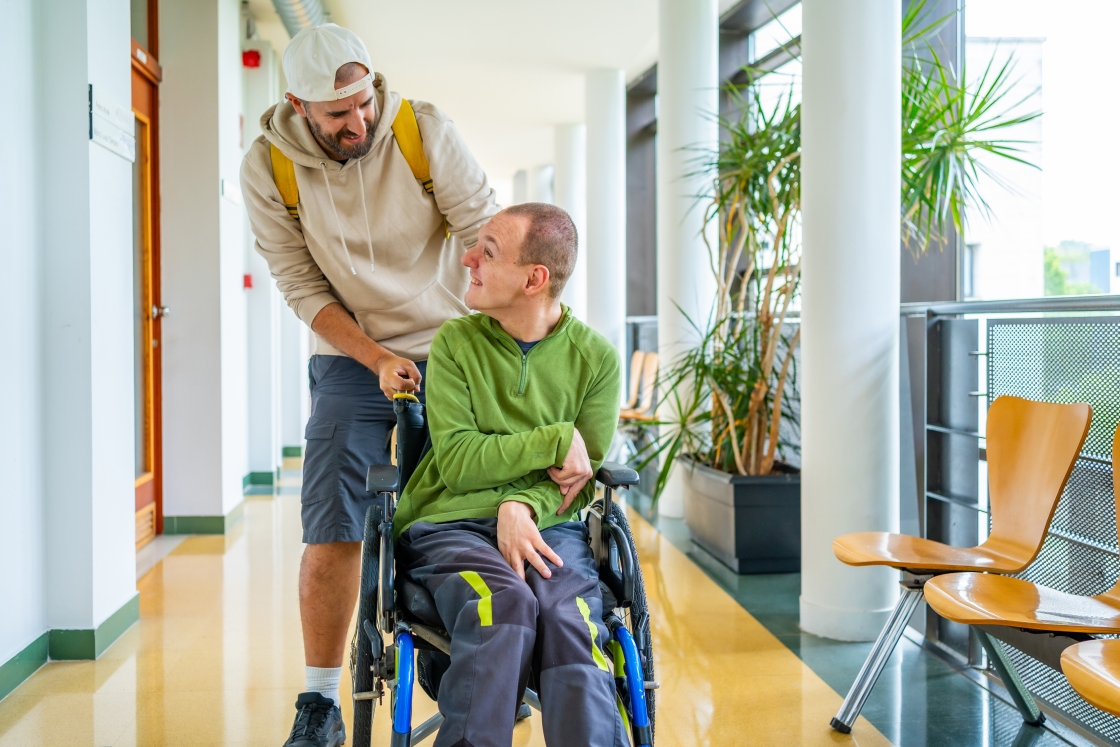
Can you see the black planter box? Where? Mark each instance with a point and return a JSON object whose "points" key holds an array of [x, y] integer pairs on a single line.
{"points": [[751, 524]]}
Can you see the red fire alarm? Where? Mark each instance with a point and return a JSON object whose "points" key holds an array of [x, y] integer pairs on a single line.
{"points": [[251, 58], [247, 282]]}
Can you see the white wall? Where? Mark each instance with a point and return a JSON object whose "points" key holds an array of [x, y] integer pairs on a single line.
{"points": [[21, 497], [204, 358]]}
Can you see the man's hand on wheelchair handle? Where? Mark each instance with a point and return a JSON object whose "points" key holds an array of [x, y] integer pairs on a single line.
{"points": [[396, 374], [519, 540], [574, 473]]}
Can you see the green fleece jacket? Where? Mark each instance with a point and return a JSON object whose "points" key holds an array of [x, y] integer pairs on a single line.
{"points": [[499, 418]]}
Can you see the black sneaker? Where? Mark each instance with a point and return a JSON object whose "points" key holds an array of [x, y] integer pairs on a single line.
{"points": [[318, 723]]}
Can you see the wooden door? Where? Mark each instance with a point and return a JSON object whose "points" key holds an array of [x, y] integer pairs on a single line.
{"points": [[148, 308]]}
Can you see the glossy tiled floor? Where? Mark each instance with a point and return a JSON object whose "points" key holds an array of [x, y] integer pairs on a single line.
{"points": [[919, 701], [216, 658]]}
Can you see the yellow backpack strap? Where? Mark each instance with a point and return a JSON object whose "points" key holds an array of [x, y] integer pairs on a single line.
{"points": [[284, 174], [411, 145]]}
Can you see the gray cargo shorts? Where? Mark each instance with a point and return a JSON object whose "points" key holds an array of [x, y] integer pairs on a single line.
{"points": [[349, 429]]}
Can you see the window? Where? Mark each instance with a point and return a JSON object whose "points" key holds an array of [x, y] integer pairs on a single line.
{"points": [[776, 33], [1050, 230]]}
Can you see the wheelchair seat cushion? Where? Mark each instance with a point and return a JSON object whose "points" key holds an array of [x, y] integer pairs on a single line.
{"points": [[418, 602]]}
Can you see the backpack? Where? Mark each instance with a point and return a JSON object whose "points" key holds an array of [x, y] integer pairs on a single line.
{"points": [[408, 137]]}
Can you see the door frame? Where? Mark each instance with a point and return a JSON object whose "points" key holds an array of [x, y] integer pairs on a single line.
{"points": [[144, 65]]}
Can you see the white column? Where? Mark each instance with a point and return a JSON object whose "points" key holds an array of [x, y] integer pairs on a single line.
{"points": [[261, 89], [570, 191], [540, 184], [851, 145], [687, 80], [294, 353], [520, 187], [85, 320], [205, 362], [606, 204]]}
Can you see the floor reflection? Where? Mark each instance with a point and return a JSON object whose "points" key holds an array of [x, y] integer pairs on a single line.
{"points": [[919, 701]]}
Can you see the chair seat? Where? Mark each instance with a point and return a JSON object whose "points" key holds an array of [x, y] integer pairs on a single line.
{"points": [[982, 599], [1093, 669], [916, 553], [629, 414]]}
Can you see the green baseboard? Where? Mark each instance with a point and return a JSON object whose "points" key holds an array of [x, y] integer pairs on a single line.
{"points": [[257, 478], [21, 666], [89, 644], [203, 524], [292, 451]]}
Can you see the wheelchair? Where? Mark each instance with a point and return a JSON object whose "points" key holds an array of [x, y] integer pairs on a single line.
{"points": [[420, 649]]}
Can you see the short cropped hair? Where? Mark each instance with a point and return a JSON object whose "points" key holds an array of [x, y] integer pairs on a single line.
{"points": [[550, 240]]}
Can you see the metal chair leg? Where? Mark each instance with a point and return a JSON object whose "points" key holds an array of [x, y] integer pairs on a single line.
{"points": [[1010, 679], [877, 659]]}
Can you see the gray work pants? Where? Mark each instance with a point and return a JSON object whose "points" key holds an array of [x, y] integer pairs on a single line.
{"points": [[501, 626]]}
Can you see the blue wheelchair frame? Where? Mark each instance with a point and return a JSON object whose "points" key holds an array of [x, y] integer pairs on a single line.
{"points": [[614, 551]]}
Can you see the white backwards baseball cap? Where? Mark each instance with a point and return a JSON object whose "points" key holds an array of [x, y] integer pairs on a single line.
{"points": [[313, 57]]}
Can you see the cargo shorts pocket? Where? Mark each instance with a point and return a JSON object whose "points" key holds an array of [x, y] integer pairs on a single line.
{"points": [[320, 462], [358, 448]]}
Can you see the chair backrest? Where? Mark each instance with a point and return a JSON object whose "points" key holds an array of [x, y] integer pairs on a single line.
{"points": [[649, 378], [1032, 447], [635, 378]]}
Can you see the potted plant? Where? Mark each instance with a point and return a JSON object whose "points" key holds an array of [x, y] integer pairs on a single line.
{"points": [[732, 398], [731, 401]]}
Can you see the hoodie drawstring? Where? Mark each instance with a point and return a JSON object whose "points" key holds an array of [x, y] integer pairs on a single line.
{"points": [[337, 220], [365, 214]]}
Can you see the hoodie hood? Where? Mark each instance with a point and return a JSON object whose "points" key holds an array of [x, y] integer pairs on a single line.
{"points": [[285, 128]]}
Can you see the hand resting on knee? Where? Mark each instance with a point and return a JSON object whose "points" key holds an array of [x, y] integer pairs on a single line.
{"points": [[520, 540]]}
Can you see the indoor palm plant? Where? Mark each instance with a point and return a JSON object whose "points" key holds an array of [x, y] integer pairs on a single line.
{"points": [[731, 400]]}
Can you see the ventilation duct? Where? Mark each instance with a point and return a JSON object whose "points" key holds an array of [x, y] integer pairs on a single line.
{"points": [[299, 14]]}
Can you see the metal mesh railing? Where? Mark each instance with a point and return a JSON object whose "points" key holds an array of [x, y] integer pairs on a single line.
{"points": [[1071, 359]]}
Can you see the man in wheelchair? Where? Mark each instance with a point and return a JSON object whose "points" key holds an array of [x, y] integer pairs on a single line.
{"points": [[522, 405]]}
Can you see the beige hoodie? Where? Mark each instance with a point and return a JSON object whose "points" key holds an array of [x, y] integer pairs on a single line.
{"points": [[369, 236]]}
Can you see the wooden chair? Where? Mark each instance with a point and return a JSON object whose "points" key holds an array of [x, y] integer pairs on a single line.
{"points": [[1032, 447], [635, 379], [1093, 669], [642, 410], [1003, 605]]}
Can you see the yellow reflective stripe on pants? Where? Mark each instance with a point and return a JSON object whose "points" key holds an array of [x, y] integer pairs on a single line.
{"points": [[596, 654], [485, 611]]}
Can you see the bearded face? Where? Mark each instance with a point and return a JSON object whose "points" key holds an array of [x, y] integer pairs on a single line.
{"points": [[343, 142]]}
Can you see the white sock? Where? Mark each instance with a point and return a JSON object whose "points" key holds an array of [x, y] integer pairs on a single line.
{"points": [[323, 680]]}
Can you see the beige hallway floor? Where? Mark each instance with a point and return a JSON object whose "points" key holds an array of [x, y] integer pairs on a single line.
{"points": [[217, 658]]}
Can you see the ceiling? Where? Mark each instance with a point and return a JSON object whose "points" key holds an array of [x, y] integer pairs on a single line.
{"points": [[506, 71]]}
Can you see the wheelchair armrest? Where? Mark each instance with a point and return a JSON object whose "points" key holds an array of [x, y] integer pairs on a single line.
{"points": [[381, 478], [615, 475]]}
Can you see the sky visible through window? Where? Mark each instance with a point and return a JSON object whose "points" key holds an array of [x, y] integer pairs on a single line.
{"points": [[1056, 231]]}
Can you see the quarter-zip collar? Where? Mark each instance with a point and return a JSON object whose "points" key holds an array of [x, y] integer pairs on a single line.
{"points": [[507, 341]]}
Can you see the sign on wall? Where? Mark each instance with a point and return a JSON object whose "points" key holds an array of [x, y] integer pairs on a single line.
{"points": [[111, 125]]}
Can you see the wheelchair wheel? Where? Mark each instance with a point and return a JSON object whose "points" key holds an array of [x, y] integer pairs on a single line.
{"points": [[361, 652], [636, 617]]}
